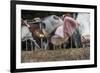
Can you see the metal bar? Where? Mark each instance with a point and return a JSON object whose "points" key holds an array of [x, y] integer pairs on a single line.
{"points": [[36, 44], [64, 45], [47, 46], [42, 43], [76, 44], [60, 46], [31, 46], [53, 47], [71, 41], [40, 26], [26, 45]]}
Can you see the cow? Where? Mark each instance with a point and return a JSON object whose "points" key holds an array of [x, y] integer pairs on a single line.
{"points": [[26, 34], [84, 29], [60, 31]]}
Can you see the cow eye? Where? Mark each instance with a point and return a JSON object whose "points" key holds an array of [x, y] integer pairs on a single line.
{"points": [[56, 17]]}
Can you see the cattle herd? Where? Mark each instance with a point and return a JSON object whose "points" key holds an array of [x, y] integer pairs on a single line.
{"points": [[56, 32]]}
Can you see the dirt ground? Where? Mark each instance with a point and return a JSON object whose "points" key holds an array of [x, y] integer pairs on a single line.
{"points": [[55, 55]]}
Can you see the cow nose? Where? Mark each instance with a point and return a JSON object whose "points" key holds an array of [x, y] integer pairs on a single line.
{"points": [[44, 29], [43, 25]]}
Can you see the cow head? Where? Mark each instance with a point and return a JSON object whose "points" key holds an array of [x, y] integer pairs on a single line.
{"points": [[50, 23]]}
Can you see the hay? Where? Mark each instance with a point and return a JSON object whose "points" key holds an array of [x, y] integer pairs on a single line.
{"points": [[55, 55]]}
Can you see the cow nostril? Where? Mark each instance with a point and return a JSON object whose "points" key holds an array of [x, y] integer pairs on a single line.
{"points": [[43, 25]]}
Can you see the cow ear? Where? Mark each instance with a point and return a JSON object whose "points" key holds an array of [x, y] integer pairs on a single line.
{"points": [[56, 17]]}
